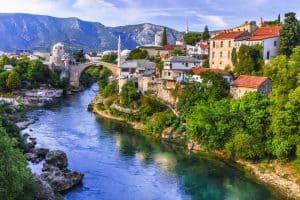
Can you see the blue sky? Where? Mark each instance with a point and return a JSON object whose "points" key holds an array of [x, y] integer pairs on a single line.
{"points": [[217, 14]]}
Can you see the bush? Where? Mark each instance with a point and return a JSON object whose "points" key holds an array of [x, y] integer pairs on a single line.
{"points": [[129, 94], [244, 146], [110, 89], [149, 106], [160, 121]]}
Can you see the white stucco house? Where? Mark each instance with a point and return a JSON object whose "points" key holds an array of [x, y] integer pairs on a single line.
{"points": [[267, 37], [132, 68]]}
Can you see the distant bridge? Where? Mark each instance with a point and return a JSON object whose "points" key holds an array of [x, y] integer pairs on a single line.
{"points": [[76, 70]]}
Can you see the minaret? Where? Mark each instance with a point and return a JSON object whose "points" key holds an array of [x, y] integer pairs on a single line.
{"points": [[119, 55], [187, 27]]}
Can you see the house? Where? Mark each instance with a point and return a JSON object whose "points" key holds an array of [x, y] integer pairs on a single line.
{"points": [[221, 47], [196, 77], [267, 37], [133, 68], [200, 50], [244, 84], [8, 67], [176, 69], [247, 26], [165, 51]]}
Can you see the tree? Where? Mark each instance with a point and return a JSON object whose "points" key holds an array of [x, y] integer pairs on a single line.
{"points": [[15, 178], [38, 72], [79, 56], [289, 34], [250, 60], [110, 58], [164, 40], [234, 57], [278, 19], [205, 34], [138, 54], [206, 63], [177, 52], [13, 81], [192, 38], [4, 61], [128, 94], [3, 79]]}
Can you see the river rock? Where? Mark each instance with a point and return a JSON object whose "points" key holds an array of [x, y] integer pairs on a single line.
{"points": [[45, 191], [62, 180], [57, 159], [40, 152]]}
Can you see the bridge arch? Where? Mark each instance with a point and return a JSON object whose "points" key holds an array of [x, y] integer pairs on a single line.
{"points": [[76, 71]]}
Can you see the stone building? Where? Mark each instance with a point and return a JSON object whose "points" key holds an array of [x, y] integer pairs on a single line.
{"points": [[59, 60], [244, 84]]}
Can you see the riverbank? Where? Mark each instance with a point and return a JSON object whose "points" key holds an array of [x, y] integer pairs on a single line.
{"points": [[281, 178]]}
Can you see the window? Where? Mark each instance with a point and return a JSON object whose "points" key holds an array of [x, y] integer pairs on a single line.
{"points": [[221, 44], [228, 54], [275, 43], [214, 44], [169, 73], [221, 54], [213, 54], [229, 43], [221, 63], [186, 64]]}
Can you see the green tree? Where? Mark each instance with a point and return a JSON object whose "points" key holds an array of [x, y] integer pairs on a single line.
{"points": [[192, 38], [110, 89], [4, 61], [177, 52], [110, 58], [205, 34], [289, 34], [128, 94], [15, 178], [38, 72], [3, 80], [250, 60], [79, 56], [234, 57], [164, 40], [138, 54], [13, 81]]}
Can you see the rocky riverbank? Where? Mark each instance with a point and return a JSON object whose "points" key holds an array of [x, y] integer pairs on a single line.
{"points": [[55, 177], [282, 178]]}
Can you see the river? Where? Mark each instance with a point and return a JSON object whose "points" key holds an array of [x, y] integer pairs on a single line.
{"points": [[120, 163]]}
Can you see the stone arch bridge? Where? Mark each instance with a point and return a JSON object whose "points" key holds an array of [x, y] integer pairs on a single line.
{"points": [[76, 71]]}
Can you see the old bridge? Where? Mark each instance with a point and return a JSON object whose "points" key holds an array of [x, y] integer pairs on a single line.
{"points": [[76, 70]]}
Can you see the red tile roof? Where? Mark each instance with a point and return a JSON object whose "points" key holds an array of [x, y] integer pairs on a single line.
{"points": [[199, 70], [229, 35], [171, 47], [265, 33], [249, 81], [204, 46]]}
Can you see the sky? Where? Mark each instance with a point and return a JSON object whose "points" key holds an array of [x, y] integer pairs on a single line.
{"points": [[217, 14]]}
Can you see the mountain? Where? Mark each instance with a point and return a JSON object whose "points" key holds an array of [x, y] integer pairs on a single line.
{"points": [[38, 32]]}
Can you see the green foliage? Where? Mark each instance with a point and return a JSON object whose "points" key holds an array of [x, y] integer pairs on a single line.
{"points": [[161, 120], [289, 34], [15, 178], [206, 63], [149, 106], [3, 78], [192, 38], [250, 60], [110, 89], [4, 61], [79, 56], [94, 74], [243, 146], [205, 34], [128, 94], [234, 57], [38, 72], [164, 40], [138, 54], [177, 52], [13, 81], [109, 58]]}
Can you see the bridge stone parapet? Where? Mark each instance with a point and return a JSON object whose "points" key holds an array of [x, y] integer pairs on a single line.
{"points": [[76, 71]]}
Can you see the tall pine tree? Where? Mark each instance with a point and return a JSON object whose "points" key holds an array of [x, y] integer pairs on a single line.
{"points": [[205, 35], [164, 40], [289, 34]]}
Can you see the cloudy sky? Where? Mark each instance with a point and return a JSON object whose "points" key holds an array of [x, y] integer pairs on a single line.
{"points": [[217, 14]]}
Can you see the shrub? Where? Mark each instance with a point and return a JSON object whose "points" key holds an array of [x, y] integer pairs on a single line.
{"points": [[160, 121]]}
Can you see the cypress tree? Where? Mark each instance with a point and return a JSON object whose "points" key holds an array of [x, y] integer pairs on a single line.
{"points": [[164, 40]]}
